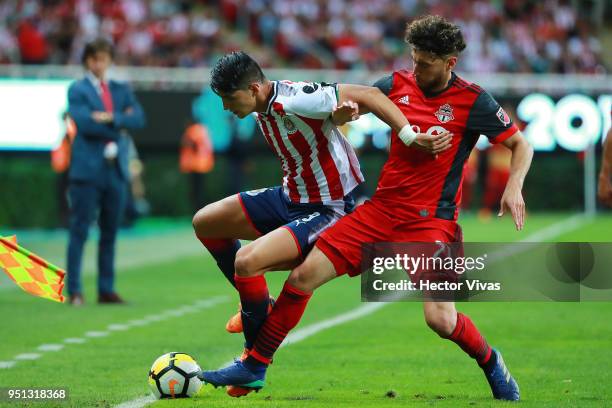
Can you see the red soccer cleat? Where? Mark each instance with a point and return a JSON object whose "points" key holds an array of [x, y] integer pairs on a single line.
{"points": [[237, 391]]}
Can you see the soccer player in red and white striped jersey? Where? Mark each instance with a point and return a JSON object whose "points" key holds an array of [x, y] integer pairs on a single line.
{"points": [[320, 169]]}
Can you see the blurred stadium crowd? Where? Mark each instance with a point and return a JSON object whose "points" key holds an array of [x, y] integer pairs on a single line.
{"points": [[548, 36]]}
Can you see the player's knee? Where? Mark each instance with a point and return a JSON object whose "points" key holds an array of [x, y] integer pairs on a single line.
{"points": [[203, 219], [303, 277], [440, 322], [199, 220], [246, 263]]}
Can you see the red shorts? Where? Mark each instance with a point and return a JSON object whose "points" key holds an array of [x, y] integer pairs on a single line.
{"points": [[371, 222]]}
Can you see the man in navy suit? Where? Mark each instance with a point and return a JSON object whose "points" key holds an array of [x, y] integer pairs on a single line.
{"points": [[98, 176]]}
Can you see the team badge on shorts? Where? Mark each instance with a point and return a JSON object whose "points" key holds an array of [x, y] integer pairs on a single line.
{"points": [[445, 113], [253, 193], [503, 116], [289, 125]]}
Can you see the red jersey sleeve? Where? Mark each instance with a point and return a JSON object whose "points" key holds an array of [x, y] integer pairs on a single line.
{"points": [[488, 118]]}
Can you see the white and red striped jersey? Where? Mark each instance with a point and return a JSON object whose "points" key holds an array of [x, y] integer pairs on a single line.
{"points": [[319, 164]]}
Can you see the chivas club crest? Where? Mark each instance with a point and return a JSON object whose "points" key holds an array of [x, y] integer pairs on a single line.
{"points": [[503, 116], [289, 125], [445, 113]]}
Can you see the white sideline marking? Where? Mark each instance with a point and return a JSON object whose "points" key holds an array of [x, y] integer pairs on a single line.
{"points": [[138, 322], [118, 327], [196, 306], [74, 340], [153, 318], [315, 328], [558, 228], [96, 334], [547, 233], [138, 402], [27, 356], [50, 347], [174, 313]]}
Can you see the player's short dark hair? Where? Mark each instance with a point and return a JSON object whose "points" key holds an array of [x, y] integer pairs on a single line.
{"points": [[436, 35], [96, 46], [234, 71]]}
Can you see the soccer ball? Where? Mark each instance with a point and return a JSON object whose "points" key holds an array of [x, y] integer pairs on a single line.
{"points": [[174, 375]]}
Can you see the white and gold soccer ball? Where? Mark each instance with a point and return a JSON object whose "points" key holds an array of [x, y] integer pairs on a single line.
{"points": [[175, 375]]}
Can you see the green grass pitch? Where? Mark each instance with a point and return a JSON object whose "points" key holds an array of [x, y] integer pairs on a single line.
{"points": [[560, 353]]}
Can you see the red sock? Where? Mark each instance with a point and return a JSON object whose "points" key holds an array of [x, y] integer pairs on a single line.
{"points": [[285, 315], [252, 289], [467, 336], [216, 244], [254, 299]]}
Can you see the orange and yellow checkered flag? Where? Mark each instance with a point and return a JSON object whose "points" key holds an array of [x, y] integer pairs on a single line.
{"points": [[30, 272]]}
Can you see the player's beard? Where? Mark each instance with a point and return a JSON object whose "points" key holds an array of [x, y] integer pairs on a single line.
{"points": [[432, 85], [435, 84]]}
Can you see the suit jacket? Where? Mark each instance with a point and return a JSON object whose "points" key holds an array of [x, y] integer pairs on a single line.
{"points": [[88, 160]]}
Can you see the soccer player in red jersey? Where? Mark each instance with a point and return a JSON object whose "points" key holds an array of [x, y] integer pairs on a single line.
{"points": [[417, 200]]}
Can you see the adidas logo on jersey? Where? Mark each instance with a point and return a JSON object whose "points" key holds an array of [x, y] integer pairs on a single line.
{"points": [[404, 100]]}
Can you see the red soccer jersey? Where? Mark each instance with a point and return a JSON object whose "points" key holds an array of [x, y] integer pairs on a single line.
{"points": [[415, 183]]}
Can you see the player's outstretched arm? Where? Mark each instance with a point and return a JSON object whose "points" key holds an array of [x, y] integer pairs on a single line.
{"points": [[604, 187], [372, 99], [512, 199]]}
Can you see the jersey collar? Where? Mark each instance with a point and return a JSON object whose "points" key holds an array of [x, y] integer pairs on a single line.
{"points": [[273, 97]]}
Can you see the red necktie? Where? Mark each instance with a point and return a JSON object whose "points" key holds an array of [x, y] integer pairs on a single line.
{"points": [[107, 99]]}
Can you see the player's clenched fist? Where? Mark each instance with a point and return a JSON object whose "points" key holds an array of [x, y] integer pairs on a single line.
{"points": [[345, 112], [434, 144]]}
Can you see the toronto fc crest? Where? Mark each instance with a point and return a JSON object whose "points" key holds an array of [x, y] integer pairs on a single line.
{"points": [[445, 113]]}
